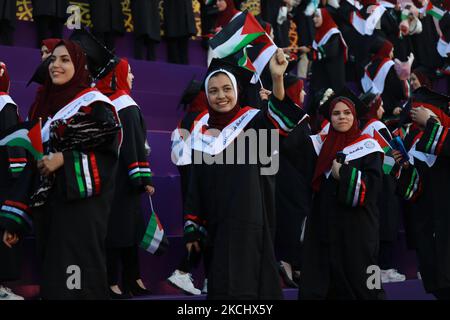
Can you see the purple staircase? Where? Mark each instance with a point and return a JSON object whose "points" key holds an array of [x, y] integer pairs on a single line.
{"points": [[157, 89]]}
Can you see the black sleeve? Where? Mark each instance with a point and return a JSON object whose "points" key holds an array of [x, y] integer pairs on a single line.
{"points": [[194, 215], [435, 139], [17, 156], [87, 170], [282, 116], [132, 151], [360, 186], [409, 184], [330, 49]]}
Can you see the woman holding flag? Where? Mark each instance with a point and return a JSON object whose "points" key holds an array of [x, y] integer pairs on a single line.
{"points": [[424, 181], [71, 206], [230, 207], [341, 233], [126, 223], [387, 202]]}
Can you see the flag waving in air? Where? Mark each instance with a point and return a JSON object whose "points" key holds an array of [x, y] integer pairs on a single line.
{"points": [[236, 35], [247, 40], [26, 135]]}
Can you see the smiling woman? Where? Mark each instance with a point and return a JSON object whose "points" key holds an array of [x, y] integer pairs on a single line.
{"points": [[236, 224], [344, 218], [61, 67], [70, 208]]}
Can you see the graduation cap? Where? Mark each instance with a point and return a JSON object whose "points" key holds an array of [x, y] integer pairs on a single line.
{"points": [[289, 79], [191, 92], [243, 75], [346, 93], [425, 96], [367, 98], [41, 72], [101, 60]]}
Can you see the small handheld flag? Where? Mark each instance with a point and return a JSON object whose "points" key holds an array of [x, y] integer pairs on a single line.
{"points": [[155, 240], [26, 135]]}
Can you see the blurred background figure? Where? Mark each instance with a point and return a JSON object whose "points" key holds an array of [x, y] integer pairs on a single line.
{"points": [[147, 28], [108, 21], [179, 26], [49, 16]]}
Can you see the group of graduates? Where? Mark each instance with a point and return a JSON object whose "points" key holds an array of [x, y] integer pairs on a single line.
{"points": [[82, 199], [347, 170], [342, 175]]}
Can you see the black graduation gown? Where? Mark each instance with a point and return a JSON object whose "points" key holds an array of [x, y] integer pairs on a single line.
{"points": [[340, 240], [395, 90], [387, 201], [235, 204], [269, 13], [53, 8], [12, 162], [8, 11], [358, 44], [305, 25], [427, 189], [329, 70], [178, 18], [424, 45], [126, 225], [107, 16], [293, 197], [146, 20], [71, 225]]}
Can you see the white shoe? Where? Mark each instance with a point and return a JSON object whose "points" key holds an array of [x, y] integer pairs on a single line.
{"points": [[205, 286], [392, 275], [183, 282], [7, 294]]}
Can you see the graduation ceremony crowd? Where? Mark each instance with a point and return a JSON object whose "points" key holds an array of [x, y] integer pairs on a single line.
{"points": [[361, 106]]}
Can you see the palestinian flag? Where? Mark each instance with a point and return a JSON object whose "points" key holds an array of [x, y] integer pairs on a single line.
{"points": [[236, 35], [434, 11], [26, 135], [155, 241], [260, 52], [389, 161], [244, 61]]}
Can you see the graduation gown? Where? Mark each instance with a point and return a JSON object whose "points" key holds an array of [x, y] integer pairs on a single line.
{"points": [[387, 201], [146, 20], [328, 66], [53, 8], [126, 225], [71, 224], [232, 208], [178, 18], [341, 236], [269, 13], [107, 16], [293, 197], [424, 45], [8, 11], [425, 184], [12, 163], [380, 77]]}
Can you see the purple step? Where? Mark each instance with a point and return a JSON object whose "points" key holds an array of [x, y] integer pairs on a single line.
{"points": [[160, 156], [407, 290]]}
